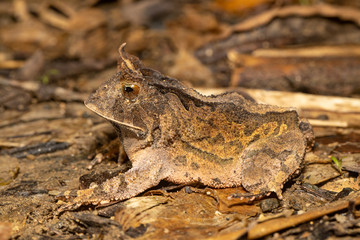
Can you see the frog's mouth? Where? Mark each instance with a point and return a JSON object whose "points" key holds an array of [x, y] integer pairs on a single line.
{"points": [[111, 119]]}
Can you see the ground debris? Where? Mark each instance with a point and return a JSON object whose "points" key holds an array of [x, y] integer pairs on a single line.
{"points": [[37, 149], [265, 228], [54, 53]]}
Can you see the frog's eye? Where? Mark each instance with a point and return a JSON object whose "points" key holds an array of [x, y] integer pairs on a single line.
{"points": [[130, 91]]}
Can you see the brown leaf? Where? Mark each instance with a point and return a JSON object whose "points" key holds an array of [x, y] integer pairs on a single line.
{"points": [[185, 215], [319, 173]]}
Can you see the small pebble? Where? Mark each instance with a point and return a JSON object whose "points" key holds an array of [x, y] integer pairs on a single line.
{"points": [[269, 204]]}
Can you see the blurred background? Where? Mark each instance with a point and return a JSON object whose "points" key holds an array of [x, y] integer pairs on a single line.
{"points": [[290, 45], [54, 53]]}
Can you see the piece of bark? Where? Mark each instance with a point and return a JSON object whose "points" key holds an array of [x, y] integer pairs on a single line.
{"points": [[319, 173], [340, 184], [45, 92], [281, 27], [280, 32], [339, 111], [322, 75], [349, 50], [14, 98], [11, 64], [351, 163], [37, 149], [145, 12], [325, 10]]}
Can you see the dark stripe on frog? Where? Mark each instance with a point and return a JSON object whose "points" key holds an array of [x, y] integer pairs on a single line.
{"points": [[282, 156], [194, 166], [217, 180], [208, 121], [218, 139], [206, 155], [180, 161]]}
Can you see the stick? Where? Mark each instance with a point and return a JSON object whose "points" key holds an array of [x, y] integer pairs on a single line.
{"points": [[326, 10], [275, 225]]}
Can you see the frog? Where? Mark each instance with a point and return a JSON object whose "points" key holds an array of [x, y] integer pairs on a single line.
{"points": [[171, 132]]}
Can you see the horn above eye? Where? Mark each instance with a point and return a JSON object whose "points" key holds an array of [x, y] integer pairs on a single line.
{"points": [[130, 91]]}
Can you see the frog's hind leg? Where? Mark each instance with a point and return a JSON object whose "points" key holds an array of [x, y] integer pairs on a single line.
{"points": [[268, 163]]}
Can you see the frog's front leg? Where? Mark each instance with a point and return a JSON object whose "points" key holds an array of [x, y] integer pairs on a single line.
{"points": [[124, 186]]}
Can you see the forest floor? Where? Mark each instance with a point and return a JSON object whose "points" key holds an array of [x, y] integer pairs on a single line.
{"points": [[53, 54]]}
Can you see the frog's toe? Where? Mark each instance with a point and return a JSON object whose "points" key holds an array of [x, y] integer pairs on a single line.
{"points": [[80, 198]]}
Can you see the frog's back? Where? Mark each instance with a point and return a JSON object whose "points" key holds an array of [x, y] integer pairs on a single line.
{"points": [[216, 133]]}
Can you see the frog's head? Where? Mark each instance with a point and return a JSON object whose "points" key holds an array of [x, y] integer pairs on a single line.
{"points": [[133, 99]]}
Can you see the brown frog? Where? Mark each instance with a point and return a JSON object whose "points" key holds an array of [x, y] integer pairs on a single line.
{"points": [[171, 132]]}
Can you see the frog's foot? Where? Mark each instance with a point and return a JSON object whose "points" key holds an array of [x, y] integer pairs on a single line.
{"points": [[249, 196], [80, 198]]}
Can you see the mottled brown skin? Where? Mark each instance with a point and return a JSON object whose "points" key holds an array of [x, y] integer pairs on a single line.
{"points": [[171, 132]]}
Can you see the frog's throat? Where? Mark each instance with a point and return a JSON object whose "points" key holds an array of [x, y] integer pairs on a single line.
{"points": [[127, 125]]}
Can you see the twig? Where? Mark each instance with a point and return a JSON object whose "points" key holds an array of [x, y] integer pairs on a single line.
{"points": [[326, 10], [11, 64], [313, 51], [58, 93], [328, 123], [275, 225]]}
